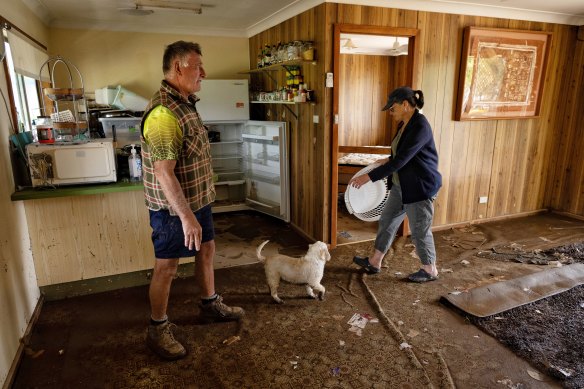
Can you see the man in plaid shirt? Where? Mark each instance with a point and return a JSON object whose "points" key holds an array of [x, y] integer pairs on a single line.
{"points": [[179, 190]]}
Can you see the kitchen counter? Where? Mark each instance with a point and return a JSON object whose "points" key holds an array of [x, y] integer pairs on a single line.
{"points": [[75, 190]]}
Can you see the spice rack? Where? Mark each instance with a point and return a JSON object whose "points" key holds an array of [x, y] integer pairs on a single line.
{"points": [[68, 101]]}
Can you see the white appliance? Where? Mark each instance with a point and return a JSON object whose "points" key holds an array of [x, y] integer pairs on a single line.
{"points": [[250, 158], [68, 164]]}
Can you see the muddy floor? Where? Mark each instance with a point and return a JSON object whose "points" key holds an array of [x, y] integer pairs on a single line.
{"points": [[304, 344]]}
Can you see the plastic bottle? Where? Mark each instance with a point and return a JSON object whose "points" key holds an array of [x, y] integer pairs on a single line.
{"points": [[135, 164]]}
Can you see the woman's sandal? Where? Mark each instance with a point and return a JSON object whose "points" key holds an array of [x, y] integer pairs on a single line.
{"points": [[421, 276], [364, 263]]}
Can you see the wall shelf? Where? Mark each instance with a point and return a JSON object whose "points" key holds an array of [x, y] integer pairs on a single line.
{"points": [[277, 66]]}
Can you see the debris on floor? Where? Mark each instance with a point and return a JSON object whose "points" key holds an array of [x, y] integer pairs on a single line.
{"points": [[231, 340]]}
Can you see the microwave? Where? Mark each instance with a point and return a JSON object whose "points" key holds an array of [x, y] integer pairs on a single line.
{"points": [[69, 163]]}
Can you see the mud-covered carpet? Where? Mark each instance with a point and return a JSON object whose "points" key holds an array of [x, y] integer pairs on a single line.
{"points": [[97, 341], [548, 332]]}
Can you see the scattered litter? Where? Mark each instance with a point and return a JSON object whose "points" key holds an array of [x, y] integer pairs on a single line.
{"points": [[456, 292], [294, 364], [536, 375], [404, 345], [400, 323], [476, 336], [345, 234], [374, 320], [509, 384], [33, 354], [336, 371], [425, 362], [445, 270], [544, 239], [465, 262], [358, 331], [413, 333], [359, 320], [555, 263], [398, 273], [231, 340], [341, 343], [582, 305], [527, 290], [415, 302], [499, 318], [538, 311], [61, 352], [566, 373]]}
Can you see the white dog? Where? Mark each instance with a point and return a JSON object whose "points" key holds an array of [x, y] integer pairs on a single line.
{"points": [[307, 270]]}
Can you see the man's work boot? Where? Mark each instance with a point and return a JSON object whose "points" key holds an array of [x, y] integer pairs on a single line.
{"points": [[161, 340], [217, 311]]}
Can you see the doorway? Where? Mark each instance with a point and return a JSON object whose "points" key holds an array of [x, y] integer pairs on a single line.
{"points": [[369, 62]]}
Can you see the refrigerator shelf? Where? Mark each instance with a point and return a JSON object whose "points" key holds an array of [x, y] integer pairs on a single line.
{"points": [[227, 156], [230, 142], [263, 203], [266, 177], [230, 183], [266, 140]]}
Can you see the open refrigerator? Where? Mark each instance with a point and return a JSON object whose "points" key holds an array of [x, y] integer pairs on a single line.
{"points": [[250, 158]]}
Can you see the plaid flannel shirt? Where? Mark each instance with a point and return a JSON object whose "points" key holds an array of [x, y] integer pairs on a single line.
{"points": [[193, 168]]}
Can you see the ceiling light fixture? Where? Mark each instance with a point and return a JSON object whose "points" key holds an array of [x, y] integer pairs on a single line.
{"points": [[180, 6], [136, 11]]}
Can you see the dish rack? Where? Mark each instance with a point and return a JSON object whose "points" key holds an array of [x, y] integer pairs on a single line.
{"points": [[65, 103], [367, 202]]}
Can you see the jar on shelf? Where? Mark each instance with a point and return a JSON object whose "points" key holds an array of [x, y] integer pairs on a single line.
{"points": [[44, 129], [307, 51]]}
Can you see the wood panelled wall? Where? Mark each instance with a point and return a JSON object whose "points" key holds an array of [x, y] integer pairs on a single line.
{"points": [[364, 82], [565, 189], [310, 142], [521, 165]]}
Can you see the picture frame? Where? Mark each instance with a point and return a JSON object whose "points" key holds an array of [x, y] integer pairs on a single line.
{"points": [[501, 73]]}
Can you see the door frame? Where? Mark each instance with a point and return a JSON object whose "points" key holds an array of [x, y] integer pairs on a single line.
{"points": [[413, 35]]}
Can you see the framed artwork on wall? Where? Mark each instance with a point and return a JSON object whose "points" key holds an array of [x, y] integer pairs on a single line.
{"points": [[501, 73]]}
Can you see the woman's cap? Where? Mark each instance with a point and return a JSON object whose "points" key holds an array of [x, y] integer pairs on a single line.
{"points": [[398, 95]]}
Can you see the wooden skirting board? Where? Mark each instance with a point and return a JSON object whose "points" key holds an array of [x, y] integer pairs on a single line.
{"points": [[23, 344]]}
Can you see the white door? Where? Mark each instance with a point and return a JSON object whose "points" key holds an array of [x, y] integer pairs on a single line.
{"points": [[266, 171]]}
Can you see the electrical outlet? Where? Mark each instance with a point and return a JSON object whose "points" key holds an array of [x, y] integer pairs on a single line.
{"points": [[315, 119], [483, 199]]}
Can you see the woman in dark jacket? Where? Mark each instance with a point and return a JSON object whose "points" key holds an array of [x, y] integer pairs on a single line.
{"points": [[414, 181]]}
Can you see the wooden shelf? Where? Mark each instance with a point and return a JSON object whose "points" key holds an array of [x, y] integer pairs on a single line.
{"points": [[277, 66]]}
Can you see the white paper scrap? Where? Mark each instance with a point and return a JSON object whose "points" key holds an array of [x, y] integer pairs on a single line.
{"points": [[358, 320], [404, 345]]}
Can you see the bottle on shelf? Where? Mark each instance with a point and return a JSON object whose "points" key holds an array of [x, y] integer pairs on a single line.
{"points": [[135, 164]]}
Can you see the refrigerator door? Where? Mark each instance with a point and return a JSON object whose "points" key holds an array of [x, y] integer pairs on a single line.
{"points": [[266, 170], [223, 100]]}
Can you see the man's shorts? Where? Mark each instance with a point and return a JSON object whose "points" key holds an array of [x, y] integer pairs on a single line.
{"points": [[168, 236]]}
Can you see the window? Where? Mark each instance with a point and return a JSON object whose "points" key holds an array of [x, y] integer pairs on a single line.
{"points": [[24, 63]]}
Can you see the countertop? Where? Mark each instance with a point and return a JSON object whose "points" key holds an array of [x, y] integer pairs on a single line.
{"points": [[75, 190]]}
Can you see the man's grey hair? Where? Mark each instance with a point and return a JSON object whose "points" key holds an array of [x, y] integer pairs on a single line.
{"points": [[178, 50]]}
